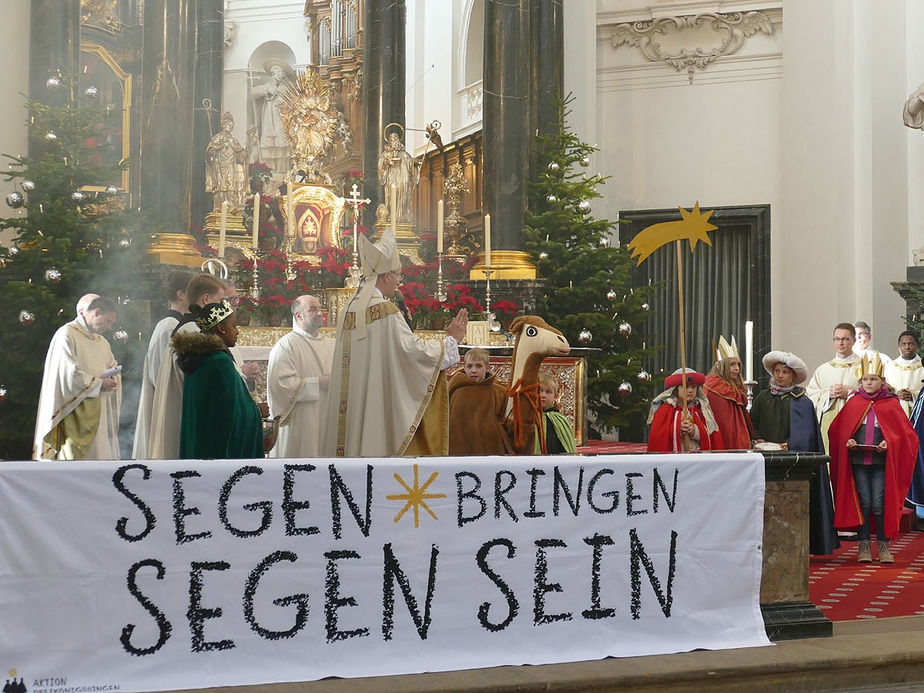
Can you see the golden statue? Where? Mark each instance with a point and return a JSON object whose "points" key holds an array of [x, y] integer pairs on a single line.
{"points": [[312, 124], [396, 168], [226, 167]]}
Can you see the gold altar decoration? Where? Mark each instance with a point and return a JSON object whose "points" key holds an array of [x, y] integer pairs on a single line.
{"points": [[311, 122], [333, 301], [506, 264], [175, 249], [312, 220], [459, 242]]}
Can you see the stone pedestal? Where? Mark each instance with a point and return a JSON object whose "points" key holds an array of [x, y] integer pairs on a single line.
{"points": [[784, 593]]}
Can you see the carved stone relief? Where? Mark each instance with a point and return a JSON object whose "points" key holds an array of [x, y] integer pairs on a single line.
{"points": [[692, 42]]}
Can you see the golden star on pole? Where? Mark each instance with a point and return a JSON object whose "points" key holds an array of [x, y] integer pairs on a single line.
{"points": [[416, 496], [692, 227]]}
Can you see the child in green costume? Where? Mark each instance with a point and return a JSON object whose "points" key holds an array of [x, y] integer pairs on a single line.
{"points": [[559, 436]]}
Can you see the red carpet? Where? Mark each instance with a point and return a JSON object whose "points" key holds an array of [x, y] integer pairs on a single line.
{"points": [[608, 447], [846, 590]]}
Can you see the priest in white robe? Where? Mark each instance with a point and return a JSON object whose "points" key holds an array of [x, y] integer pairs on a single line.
{"points": [[297, 379], [388, 393], [835, 380], [160, 340], [164, 437], [905, 373], [863, 346], [78, 410]]}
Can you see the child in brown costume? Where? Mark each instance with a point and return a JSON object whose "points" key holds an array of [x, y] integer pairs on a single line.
{"points": [[476, 409]]}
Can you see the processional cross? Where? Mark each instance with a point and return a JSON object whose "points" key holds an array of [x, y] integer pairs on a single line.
{"points": [[356, 202]]}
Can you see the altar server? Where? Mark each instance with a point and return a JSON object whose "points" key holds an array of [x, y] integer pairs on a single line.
{"points": [[833, 381], [905, 373]]}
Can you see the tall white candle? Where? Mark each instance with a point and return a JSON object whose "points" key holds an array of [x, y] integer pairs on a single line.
{"points": [[393, 209], [256, 221], [439, 226], [487, 240], [221, 229], [749, 349]]}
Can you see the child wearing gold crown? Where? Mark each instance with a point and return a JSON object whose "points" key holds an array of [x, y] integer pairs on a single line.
{"points": [[873, 449], [726, 394]]}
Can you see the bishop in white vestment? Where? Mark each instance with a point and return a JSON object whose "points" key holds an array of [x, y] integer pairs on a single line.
{"points": [[835, 380], [388, 394], [78, 410], [297, 379]]}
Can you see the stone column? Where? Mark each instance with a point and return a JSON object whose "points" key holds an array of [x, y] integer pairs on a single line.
{"points": [[506, 132], [383, 86], [548, 41], [54, 45], [208, 87], [168, 61]]}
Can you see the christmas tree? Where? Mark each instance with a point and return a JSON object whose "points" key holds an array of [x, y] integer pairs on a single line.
{"points": [[588, 294], [72, 235]]}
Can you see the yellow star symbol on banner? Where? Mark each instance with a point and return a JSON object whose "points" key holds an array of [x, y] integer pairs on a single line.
{"points": [[416, 497]]}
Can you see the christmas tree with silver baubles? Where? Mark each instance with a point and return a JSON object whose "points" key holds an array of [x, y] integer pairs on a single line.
{"points": [[72, 233], [588, 292]]}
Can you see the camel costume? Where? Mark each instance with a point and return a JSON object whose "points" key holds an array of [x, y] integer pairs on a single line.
{"points": [[476, 416]]}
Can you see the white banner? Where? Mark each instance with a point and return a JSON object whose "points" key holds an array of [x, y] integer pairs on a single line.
{"points": [[181, 574]]}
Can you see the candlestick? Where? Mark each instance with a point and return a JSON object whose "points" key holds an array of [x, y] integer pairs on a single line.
{"points": [[749, 350], [221, 229], [290, 216], [393, 210], [256, 220], [439, 227], [487, 240]]}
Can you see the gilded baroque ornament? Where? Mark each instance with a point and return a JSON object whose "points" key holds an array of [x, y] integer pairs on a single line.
{"points": [[312, 124], [692, 42], [99, 13]]}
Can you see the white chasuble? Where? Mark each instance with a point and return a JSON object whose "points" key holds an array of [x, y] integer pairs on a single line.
{"points": [[157, 347], [387, 394], [834, 372], [902, 374], [164, 438], [296, 362], [72, 387]]}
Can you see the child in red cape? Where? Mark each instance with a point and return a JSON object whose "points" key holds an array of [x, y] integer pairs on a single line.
{"points": [[873, 451], [669, 427], [728, 398]]}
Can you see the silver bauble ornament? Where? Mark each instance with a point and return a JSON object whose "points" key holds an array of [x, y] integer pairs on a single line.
{"points": [[611, 295], [584, 206], [111, 190], [14, 249], [644, 306], [77, 196], [26, 317], [52, 82], [28, 185], [91, 92], [625, 329], [644, 376], [121, 336], [552, 198], [553, 166], [585, 161], [53, 275], [15, 200], [543, 255], [625, 389], [585, 336], [51, 137], [2, 393], [604, 242], [125, 243]]}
